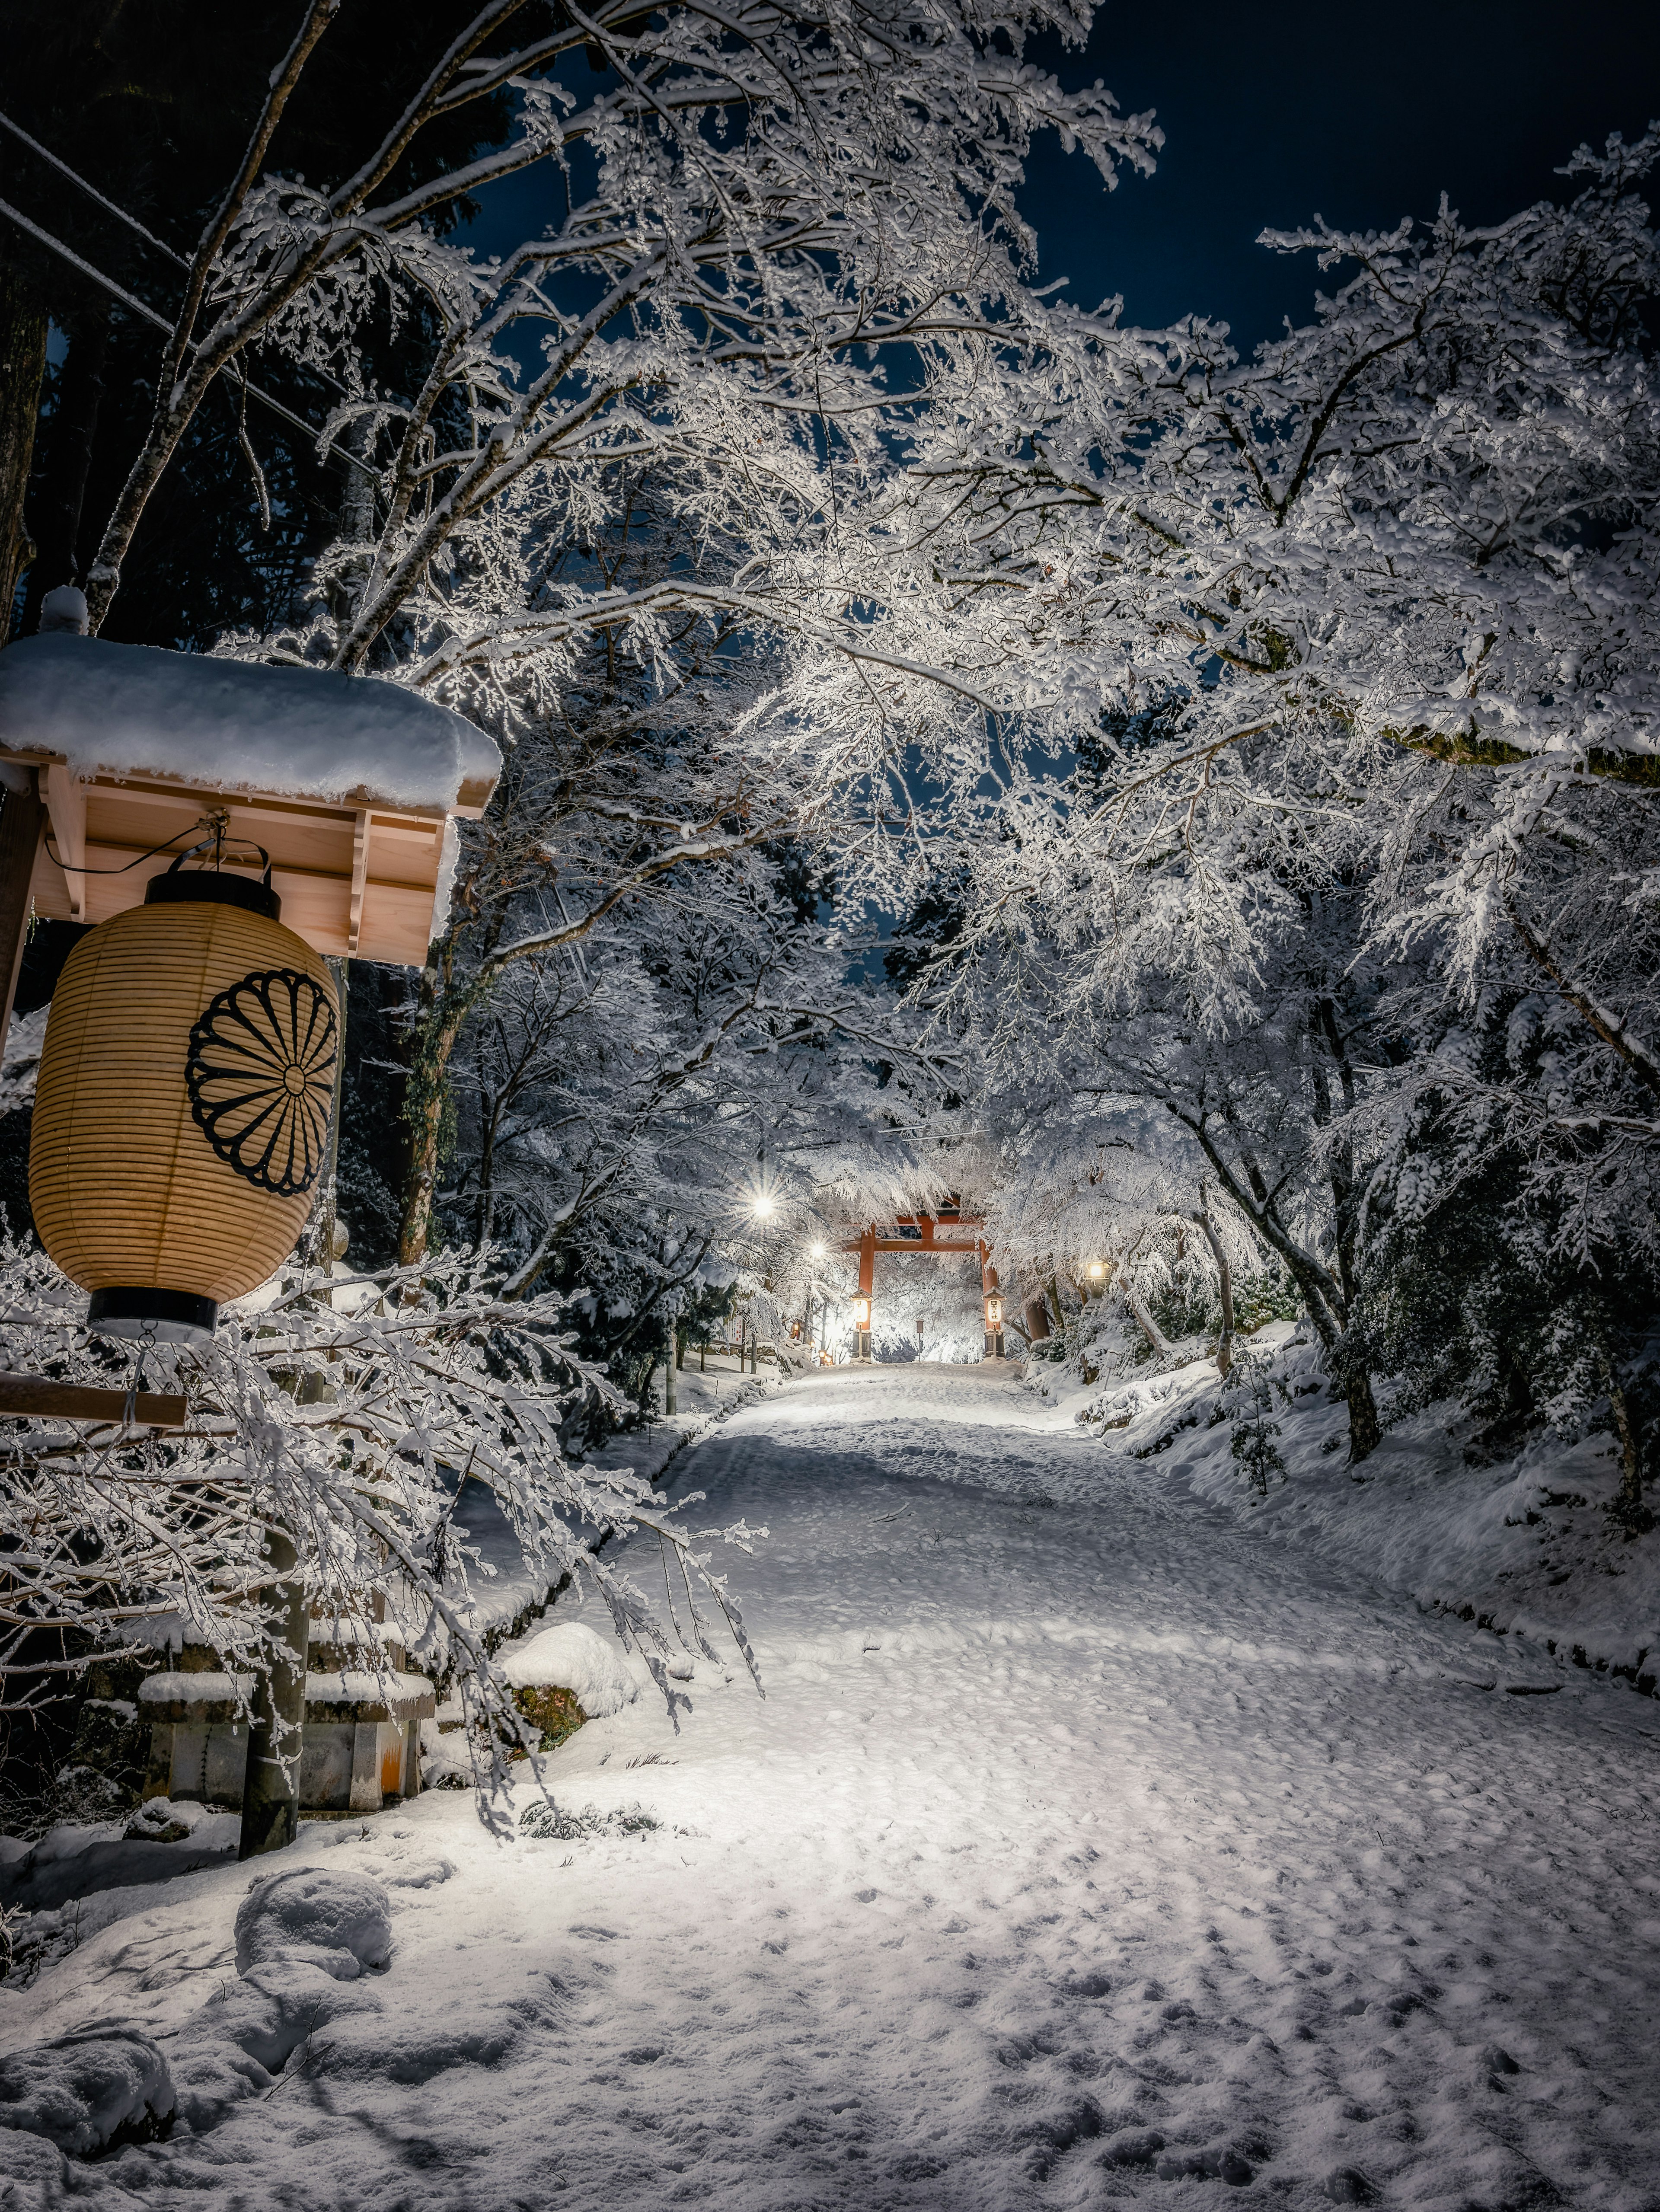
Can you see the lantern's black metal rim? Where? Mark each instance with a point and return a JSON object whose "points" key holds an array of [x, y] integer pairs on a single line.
{"points": [[214, 885], [153, 1316]]}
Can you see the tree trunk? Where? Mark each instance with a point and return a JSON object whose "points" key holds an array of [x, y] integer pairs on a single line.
{"points": [[424, 1110], [1627, 1511], [1149, 1328], [22, 367], [1225, 1288], [270, 1787], [1366, 1429], [56, 514], [22, 826]]}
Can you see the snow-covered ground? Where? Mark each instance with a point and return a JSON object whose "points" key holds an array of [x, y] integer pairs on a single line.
{"points": [[1521, 1543], [1087, 1845], [708, 1392]]}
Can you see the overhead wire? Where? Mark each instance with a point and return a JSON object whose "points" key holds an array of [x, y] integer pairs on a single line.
{"points": [[131, 299], [92, 190]]}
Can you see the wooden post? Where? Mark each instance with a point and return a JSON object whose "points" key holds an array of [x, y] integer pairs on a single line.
{"points": [[868, 1291], [270, 1786], [37, 1397], [22, 826]]}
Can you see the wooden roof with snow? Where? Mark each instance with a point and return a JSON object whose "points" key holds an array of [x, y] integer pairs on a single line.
{"points": [[348, 781]]}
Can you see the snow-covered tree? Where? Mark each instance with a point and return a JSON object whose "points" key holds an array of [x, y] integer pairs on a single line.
{"points": [[350, 1431], [1329, 811]]}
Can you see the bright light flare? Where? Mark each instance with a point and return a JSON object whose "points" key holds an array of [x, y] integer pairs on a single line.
{"points": [[1096, 1271], [763, 1207], [815, 1251]]}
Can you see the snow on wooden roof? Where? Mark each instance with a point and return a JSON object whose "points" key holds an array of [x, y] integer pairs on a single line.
{"points": [[237, 724], [348, 783]]}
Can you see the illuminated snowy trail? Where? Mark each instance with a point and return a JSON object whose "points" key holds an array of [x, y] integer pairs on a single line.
{"points": [[1083, 1847]]}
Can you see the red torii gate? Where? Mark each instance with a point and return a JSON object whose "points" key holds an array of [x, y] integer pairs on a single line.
{"points": [[920, 1232]]}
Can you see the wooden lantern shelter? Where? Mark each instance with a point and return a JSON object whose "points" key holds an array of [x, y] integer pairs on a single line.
{"points": [[116, 760], [349, 782], [949, 1229], [326, 798]]}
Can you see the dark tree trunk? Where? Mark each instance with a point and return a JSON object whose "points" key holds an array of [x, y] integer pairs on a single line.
{"points": [[270, 1788], [1366, 1429], [1224, 1290], [55, 513], [1627, 1511], [22, 367]]}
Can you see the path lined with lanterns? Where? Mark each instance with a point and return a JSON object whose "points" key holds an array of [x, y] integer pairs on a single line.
{"points": [[1083, 1845]]}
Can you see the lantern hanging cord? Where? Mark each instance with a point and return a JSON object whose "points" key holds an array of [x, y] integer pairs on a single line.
{"points": [[213, 822], [129, 1411]]}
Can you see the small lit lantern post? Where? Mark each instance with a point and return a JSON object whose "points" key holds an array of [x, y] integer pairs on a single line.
{"points": [[861, 1311], [182, 1119], [993, 1324]]}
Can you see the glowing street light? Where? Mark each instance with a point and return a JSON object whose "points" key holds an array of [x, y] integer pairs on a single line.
{"points": [[815, 1251], [1097, 1270], [764, 1206]]}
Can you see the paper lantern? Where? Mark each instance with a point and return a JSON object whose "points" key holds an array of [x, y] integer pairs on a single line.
{"points": [[861, 1313], [182, 1107], [994, 1313]]}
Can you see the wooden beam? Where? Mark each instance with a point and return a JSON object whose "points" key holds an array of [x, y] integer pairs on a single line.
{"points": [[360, 876], [66, 803], [37, 1397], [22, 826]]}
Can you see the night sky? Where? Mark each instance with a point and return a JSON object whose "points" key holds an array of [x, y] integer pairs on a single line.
{"points": [[1364, 113], [1271, 114]]}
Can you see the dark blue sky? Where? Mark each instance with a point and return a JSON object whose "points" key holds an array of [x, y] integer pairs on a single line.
{"points": [[1273, 112], [1364, 113]]}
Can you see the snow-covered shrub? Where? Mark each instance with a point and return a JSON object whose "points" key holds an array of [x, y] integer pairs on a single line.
{"points": [[1248, 1397], [569, 1655], [352, 1431], [546, 1822]]}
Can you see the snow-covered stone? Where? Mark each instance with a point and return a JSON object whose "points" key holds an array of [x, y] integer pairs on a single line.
{"points": [[570, 1656], [80, 2090], [313, 1915]]}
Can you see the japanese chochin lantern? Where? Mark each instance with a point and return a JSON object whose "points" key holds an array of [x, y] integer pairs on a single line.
{"points": [[181, 1111]]}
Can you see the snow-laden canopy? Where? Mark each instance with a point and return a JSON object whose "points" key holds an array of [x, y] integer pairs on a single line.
{"points": [[303, 732]]}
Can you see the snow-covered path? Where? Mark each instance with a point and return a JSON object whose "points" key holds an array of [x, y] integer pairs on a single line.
{"points": [[1083, 1847]]}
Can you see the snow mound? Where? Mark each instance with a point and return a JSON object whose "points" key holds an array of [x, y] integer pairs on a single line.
{"points": [[572, 1658], [159, 1820], [311, 1916], [81, 2091], [271, 2010]]}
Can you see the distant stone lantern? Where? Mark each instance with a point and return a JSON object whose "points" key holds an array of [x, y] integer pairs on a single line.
{"points": [[183, 1105]]}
